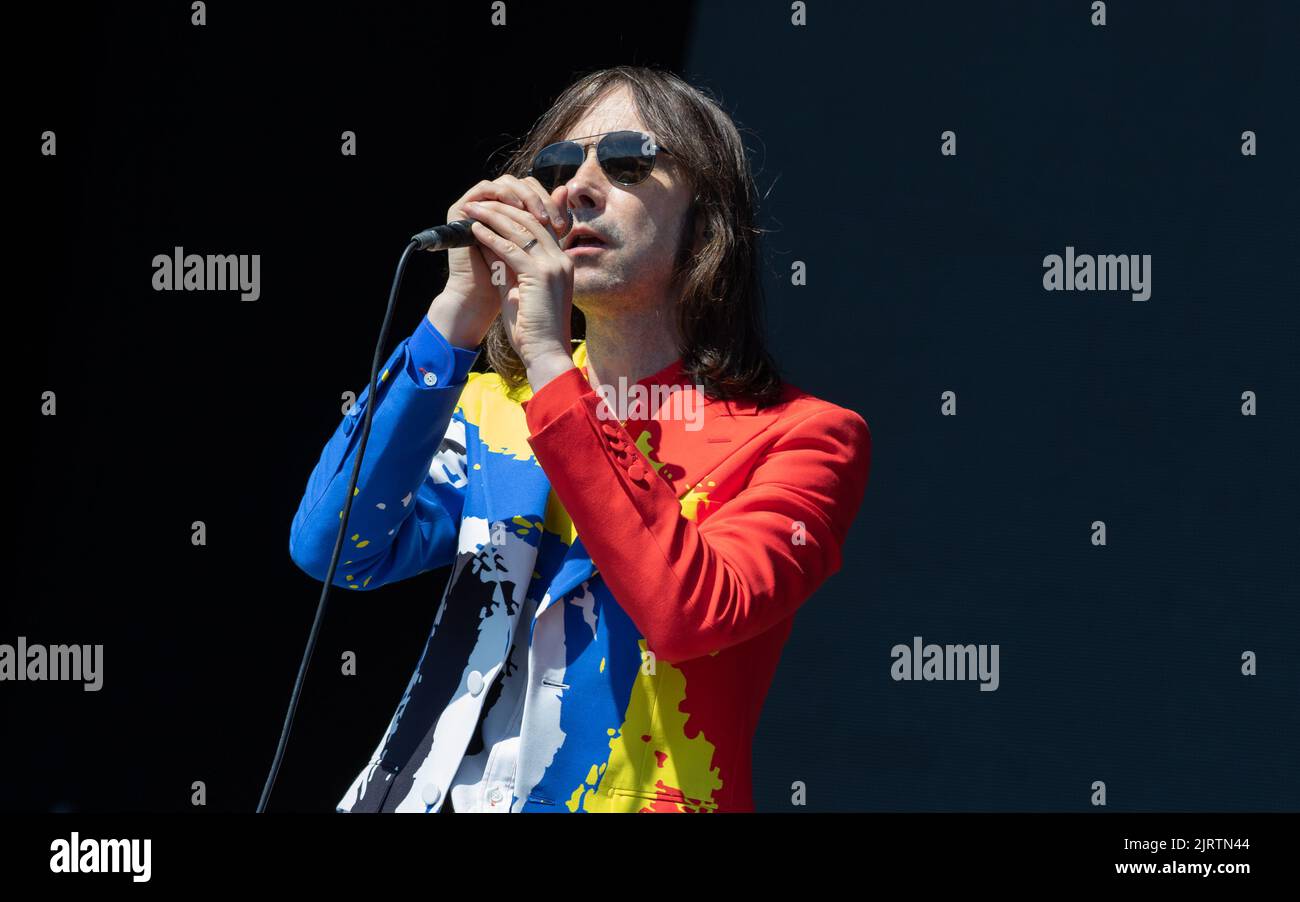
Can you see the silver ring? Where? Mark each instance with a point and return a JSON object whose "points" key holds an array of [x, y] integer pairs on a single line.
{"points": [[529, 245]]}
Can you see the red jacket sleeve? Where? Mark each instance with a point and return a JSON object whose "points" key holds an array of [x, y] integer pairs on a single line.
{"points": [[692, 589]]}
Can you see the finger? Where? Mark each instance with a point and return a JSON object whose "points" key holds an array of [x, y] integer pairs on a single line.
{"points": [[560, 198], [515, 257], [513, 225], [480, 258], [494, 266], [486, 190], [556, 210], [534, 202]]}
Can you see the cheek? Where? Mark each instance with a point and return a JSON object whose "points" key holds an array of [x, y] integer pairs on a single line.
{"points": [[660, 237], [644, 233]]}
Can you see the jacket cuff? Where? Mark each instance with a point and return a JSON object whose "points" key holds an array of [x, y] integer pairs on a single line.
{"points": [[555, 397], [432, 353]]}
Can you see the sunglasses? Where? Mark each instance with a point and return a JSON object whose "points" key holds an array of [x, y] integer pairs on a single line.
{"points": [[627, 157]]}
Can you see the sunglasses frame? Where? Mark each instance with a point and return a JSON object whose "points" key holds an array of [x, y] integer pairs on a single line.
{"points": [[603, 136]]}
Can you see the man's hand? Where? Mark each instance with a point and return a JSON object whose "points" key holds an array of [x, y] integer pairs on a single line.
{"points": [[537, 299], [469, 302]]}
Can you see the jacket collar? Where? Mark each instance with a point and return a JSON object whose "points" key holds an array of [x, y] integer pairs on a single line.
{"points": [[673, 374], [684, 456]]}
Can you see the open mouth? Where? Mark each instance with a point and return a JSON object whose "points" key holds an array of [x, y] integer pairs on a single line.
{"points": [[585, 244]]}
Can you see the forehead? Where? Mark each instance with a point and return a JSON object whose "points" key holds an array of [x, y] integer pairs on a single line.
{"points": [[612, 112]]}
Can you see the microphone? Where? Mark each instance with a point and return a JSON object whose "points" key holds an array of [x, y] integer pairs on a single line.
{"points": [[440, 238]]}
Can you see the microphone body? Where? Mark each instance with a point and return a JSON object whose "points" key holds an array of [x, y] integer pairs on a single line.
{"points": [[440, 238]]}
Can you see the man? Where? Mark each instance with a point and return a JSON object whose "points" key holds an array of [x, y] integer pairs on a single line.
{"points": [[631, 523]]}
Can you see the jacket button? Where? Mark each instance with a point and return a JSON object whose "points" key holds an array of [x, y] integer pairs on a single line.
{"points": [[475, 682], [430, 379], [610, 428], [431, 793], [495, 795], [636, 471]]}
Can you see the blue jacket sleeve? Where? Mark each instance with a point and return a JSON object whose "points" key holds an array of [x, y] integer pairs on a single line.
{"points": [[407, 505]]}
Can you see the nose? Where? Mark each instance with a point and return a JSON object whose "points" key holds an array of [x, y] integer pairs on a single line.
{"points": [[588, 185]]}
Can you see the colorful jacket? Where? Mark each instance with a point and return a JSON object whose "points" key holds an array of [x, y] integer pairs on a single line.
{"points": [[665, 556]]}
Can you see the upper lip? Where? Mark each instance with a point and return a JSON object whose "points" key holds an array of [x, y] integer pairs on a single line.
{"points": [[581, 231]]}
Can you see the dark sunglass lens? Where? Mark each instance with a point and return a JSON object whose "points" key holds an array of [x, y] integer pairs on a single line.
{"points": [[555, 164], [627, 157]]}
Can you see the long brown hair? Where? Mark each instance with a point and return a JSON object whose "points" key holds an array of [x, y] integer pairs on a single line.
{"points": [[720, 306]]}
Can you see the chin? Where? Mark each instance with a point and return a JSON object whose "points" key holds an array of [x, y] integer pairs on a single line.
{"points": [[593, 292]]}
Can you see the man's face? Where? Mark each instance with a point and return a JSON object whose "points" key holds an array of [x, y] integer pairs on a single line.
{"points": [[640, 224]]}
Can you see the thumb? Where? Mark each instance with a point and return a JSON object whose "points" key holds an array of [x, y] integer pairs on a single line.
{"points": [[561, 198]]}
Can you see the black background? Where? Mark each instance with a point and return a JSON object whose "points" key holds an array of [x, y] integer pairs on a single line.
{"points": [[1119, 664]]}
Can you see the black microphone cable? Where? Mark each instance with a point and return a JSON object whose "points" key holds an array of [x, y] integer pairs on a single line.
{"points": [[343, 523]]}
